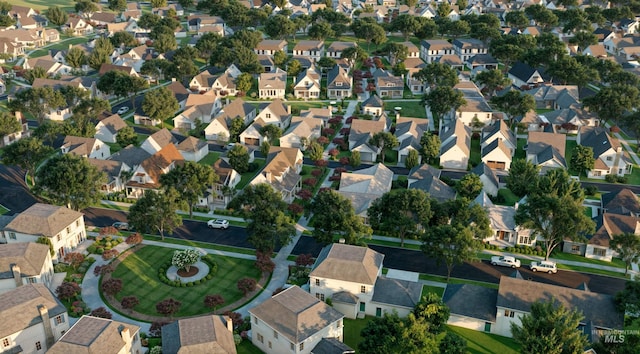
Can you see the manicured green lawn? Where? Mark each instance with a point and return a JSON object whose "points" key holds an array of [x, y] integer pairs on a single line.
{"points": [[520, 153], [409, 109], [246, 347], [301, 106], [615, 262], [509, 198], [139, 274], [634, 177], [210, 159], [352, 329], [432, 289], [43, 5], [475, 157], [3, 210], [246, 177], [481, 343], [59, 46]]}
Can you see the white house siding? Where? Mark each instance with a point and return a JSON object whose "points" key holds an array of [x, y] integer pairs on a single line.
{"points": [[66, 241], [589, 253], [194, 156], [488, 186], [503, 323], [44, 277], [468, 322], [328, 287], [272, 345], [454, 158], [348, 310], [497, 157], [371, 309], [105, 134], [467, 117], [28, 337], [290, 141]]}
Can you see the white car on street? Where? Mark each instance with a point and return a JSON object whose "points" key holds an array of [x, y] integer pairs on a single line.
{"points": [[123, 110], [218, 224], [544, 266], [505, 261]]}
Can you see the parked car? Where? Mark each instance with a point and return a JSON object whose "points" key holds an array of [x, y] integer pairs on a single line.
{"points": [[544, 266], [121, 225], [123, 110], [218, 224], [505, 261], [229, 146]]}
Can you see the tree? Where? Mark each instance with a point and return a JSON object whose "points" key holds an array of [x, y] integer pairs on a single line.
{"points": [[279, 26], [452, 343], [263, 209], [36, 73], [68, 290], [9, 124], [427, 28], [129, 302], [264, 148], [611, 102], [74, 259], [156, 211], [396, 52], [435, 312], [406, 24], [191, 181], [168, 307], [184, 259], [508, 48], [370, 32], [542, 16], [315, 151], [134, 239], [554, 210], [272, 132], [450, 245], [430, 144], [354, 159], [516, 19], [71, 181], [412, 160], [239, 158], [514, 103], [38, 102], [126, 136], [86, 7], [158, 3], [437, 74], [469, 186], [75, 58], [247, 285], [550, 328], [117, 5], [384, 141], [101, 53], [391, 334], [582, 159], [57, 16], [123, 38], [213, 301], [244, 82], [522, 177], [492, 80], [111, 286], [403, 213], [101, 312], [442, 100], [627, 246], [628, 299], [320, 31], [294, 68], [443, 10], [334, 215]]}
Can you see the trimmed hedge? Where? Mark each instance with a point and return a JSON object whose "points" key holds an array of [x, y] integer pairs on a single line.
{"points": [[213, 269], [534, 251]]}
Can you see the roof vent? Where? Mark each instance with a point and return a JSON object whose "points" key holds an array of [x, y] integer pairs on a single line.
{"points": [[342, 241]]}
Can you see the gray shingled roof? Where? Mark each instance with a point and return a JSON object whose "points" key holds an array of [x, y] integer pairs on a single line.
{"points": [[29, 256], [621, 202], [131, 155], [345, 297], [43, 220], [349, 263], [19, 307], [397, 292], [435, 187], [202, 334], [331, 346], [93, 335], [482, 169], [471, 301]]}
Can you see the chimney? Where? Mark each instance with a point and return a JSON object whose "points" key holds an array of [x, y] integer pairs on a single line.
{"points": [[229, 323], [15, 270], [124, 333], [18, 115], [46, 323]]}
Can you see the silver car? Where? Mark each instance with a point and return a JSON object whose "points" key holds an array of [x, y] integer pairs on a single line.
{"points": [[218, 224]]}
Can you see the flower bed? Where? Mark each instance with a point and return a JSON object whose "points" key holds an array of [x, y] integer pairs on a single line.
{"points": [[213, 269]]}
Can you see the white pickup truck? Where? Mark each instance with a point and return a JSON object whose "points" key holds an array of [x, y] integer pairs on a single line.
{"points": [[505, 261]]}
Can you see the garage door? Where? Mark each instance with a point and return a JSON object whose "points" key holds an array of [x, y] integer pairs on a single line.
{"points": [[251, 141], [496, 165]]}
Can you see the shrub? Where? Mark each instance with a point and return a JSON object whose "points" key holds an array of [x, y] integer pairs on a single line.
{"points": [[316, 172], [305, 194], [74, 259], [264, 262], [321, 163], [213, 301], [310, 182], [101, 312], [334, 153], [134, 239], [60, 268], [247, 285], [295, 208], [129, 302], [344, 160], [100, 251], [237, 339], [345, 131], [590, 190], [92, 249], [304, 260], [338, 141], [110, 254], [323, 140], [102, 270], [611, 178], [622, 179], [67, 290], [236, 319], [156, 329], [112, 286]]}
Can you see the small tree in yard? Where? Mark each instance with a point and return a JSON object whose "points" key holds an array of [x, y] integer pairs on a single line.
{"points": [[304, 260], [247, 285], [112, 286], [627, 246], [184, 259], [213, 301], [168, 307], [264, 262], [110, 254], [101, 312], [68, 290], [129, 302], [582, 159], [134, 239], [74, 259], [236, 318], [102, 270], [108, 230], [453, 344]]}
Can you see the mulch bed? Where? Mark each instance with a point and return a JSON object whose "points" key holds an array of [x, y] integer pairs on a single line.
{"points": [[193, 270]]}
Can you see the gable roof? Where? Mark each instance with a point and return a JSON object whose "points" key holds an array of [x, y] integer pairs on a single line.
{"points": [[373, 101], [43, 220], [372, 180], [471, 301], [19, 307], [154, 166], [524, 71], [598, 309], [482, 169], [29, 256], [496, 145], [163, 137], [201, 334], [113, 123], [435, 187], [131, 155], [598, 139], [237, 108], [338, 74], [610, 225], [79, 145], [350, 263], [93, 334], [331, 346], [296, 314], [622, 201], [547, 146], [397, 292], [498, 127], [110, 168]]}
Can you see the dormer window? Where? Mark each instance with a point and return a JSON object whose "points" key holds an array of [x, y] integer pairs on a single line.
{"points": [[338, 84]]}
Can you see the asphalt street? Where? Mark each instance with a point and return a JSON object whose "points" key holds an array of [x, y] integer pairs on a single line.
{"points": [[14, 194]]}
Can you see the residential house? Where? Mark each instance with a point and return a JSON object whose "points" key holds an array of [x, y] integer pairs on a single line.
{"points": [[499, 130], [301, 129], [133, 12], [569, 120], [373, 106], [505, 232], [201, 334], [199, 22], [427, 178], [488, 177], [11, 48], [351, 276], [225, 83], [79, 26], [475, 112], [471, 306], [180, 92], [218, 129], [546, 150], [115, 171], [28, 38], [608, 226], [364, 186], [307, 84], [276, 112], [455, 148], [24, 132], [165, 10], [93, 334], [433, 49], [523, 75], [85, 147], [267, 63], [293, 321], [106, 67], [595, 50], [131, 156], [313, 50], [62, 226], [158, 140], [482, 61], [324, 114], [193, 149], [282, 171], [409, 131], [555, 96], [496, 155], [50, 66], [107, 129], [360, 135], [25, 263], [467, 48], [607, 151], [33, 319], [615, 45], [623, 202], [339, 83], [272, 85], [198, 109], [224, 189], [102, 18], [335, 49], [628, 26], [414, 65], [146, 176], [389, 86], [413, 50], [202, 82], [270, 46], [451, 60]]}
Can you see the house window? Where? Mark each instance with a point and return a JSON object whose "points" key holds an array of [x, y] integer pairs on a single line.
{"points": [[68, 230], [524, 240], [320, 296], [255, 320], [596, 173], [508, 313], [31, 280], [338, 84], [317, 282], [59, 319], [59, 237], [301, 346], [38, 346], [575, 248], [260, 338], [609, 158], [5, 342], [600, 252], [12, 235], [268, 115], [293, 347], [275, 334], [363, 289], [77, 223]]}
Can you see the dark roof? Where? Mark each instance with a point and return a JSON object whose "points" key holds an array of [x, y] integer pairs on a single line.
{"points": [[621, 202], [131, 155], [331, 346], [597, 139], [524, 71], [471, 301], [435, 187], [373, 101], [482, 169], [424, 171], [397, 292], [483, 59], [345, 297]]}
